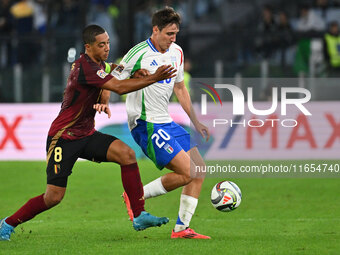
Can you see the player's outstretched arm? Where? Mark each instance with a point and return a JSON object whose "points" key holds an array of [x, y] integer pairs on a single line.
{"points": [[185, 101], [125, 86]]}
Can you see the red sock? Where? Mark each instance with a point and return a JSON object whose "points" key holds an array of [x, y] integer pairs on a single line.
{"points": [[133, 187], [33, 207]]}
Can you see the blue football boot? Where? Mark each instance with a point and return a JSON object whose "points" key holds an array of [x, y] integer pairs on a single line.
{"points": [[5, 230], [146, 220]]}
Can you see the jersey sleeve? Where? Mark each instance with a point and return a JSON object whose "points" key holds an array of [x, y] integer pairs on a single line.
{"points": [[180, 71], [93, 75], [130, 63], [125, 68], [122, 71]]}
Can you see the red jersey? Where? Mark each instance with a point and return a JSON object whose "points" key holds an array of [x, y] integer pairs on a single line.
{"points": [[83, 90]]}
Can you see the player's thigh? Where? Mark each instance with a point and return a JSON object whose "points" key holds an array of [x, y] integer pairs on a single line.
{"points": [[121, 153], [106, 148], [195, 156], [97, 147], [190, 147], [180, 164], [61, 156]]}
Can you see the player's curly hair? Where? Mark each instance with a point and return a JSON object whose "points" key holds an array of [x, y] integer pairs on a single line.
{"points": [[164, 17], [90, 32]]}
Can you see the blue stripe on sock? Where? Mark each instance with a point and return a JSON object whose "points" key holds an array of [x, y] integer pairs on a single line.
{"points": [[179, 222]]}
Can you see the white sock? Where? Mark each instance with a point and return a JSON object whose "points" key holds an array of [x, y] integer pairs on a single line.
{"points": [[187, 208], [154, 189]]}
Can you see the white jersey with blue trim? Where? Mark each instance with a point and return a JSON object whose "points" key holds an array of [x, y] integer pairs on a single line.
{"points": [[150, 103]]}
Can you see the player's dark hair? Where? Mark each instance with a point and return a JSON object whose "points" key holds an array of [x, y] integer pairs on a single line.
{"points": [[90, 32], [164, 17]]}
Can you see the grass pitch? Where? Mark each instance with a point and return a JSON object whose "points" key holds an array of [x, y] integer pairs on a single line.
{"points": [[276, 216]]}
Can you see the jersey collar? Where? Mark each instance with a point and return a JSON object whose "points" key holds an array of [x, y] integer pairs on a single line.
{"points": [[87, 57], [148, 41]]}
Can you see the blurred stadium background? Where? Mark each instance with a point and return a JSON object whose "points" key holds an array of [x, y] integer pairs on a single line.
{"points": [[249, 42], [221, 38], [258, 43]]}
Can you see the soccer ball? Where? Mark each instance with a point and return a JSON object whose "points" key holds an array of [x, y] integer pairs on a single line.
{"points": [[226, 196]]}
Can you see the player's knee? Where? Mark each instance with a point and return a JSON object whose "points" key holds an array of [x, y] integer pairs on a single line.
{"points": [[128, 156], [185, 179], [53, 199], [56, 199]]}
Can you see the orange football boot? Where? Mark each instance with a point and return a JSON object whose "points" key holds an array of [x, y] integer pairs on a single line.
{"points": [[188, 233]]}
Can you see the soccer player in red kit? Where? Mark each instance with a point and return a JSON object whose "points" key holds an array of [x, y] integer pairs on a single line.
{"points": [[72, 134]]}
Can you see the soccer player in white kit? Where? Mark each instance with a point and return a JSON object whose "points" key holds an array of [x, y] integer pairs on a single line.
{"points": [[166, 143]]}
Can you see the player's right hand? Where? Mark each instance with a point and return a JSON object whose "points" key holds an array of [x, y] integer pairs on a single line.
{"points": [[102, 108], [165, 72]]}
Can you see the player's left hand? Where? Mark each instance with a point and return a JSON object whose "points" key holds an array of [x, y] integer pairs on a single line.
{"points": [[203, 130], [140, 73], [102, 108]]}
